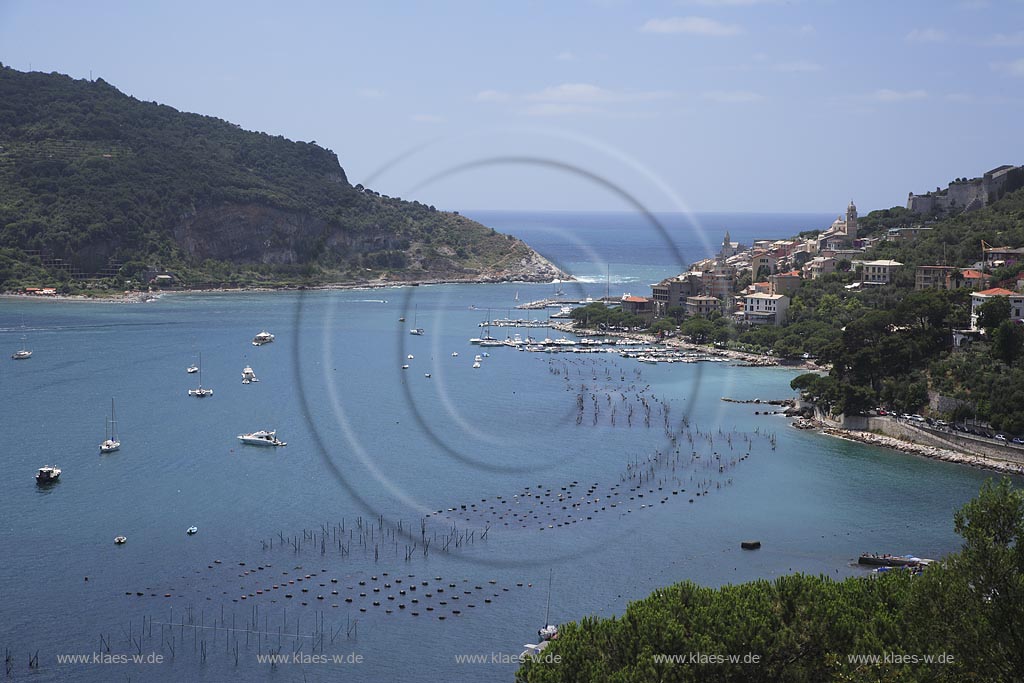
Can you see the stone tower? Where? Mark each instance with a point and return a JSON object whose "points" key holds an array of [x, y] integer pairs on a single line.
{"points": [[851, 221], [727, 249]]}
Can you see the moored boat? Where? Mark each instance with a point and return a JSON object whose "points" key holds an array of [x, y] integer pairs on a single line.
{"points": [[262, 338], [886, 560], [48, 474], [262, 437], [111, 443], [199, 391]]}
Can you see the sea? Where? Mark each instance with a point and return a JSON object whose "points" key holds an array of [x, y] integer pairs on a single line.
{"points": [[426, 517]]}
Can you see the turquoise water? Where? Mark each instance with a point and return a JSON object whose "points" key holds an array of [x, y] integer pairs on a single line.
{"points": [[369, 440]]}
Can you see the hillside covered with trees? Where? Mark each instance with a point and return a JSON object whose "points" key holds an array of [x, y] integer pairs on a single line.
{"points": [[968, 610], [94, 182]]}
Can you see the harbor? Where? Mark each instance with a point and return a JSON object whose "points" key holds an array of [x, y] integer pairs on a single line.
{"points": [[619, 450]]}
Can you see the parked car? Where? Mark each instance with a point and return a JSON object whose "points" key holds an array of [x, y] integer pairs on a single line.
{"points": [[882, 411], [999, 437], [1018, 440], [917, 418]]}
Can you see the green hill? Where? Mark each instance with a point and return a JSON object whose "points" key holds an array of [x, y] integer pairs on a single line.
{"points": [[96, 183]]}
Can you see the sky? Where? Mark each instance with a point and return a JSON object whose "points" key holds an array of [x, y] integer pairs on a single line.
{"points": [[602, 105]]}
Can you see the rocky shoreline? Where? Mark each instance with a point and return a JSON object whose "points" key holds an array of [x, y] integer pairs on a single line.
{"points": [[144, 297], [933, 452]]}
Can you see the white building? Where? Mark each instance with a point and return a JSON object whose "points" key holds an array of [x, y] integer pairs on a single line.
{"points": [[765, 309], [878, 272], [978, 299]]}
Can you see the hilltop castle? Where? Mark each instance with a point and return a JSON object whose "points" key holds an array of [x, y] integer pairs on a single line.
{"points": [[968, 194]]}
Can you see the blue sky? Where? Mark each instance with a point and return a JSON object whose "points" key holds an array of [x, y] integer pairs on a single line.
{"points": [[713, 105]]}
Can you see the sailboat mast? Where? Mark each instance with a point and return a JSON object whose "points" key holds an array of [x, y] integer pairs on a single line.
{"points": [[547, 610]]}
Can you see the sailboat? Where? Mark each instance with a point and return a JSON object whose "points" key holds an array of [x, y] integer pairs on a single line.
{"points": [[549, 631], [415, 330], [200, 391], [111, 443], [545, 634], [24, 353]]}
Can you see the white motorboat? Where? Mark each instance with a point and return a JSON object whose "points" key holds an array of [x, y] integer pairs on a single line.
{"points": [[199, 391], [262, 338], [405, 367], [476, 364], [192, 530], [48, 474], [248, 376], [111, 443], [261, 438], [120, 540], [455, 354], [192, 369]]}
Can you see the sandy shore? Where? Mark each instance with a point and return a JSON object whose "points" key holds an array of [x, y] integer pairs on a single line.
{"points": [[932, 452]]}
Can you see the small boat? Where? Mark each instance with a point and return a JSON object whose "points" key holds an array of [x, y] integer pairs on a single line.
{"points": [[192, 369], [427, 375], [199, 391], [192, 530], [402, 319], [262, 338], [24, 353], [410, 356], [548, 631], [120, 540], [478, 358], [48, 474], [405, 367], [248, 376], [476, 364], [886, 560], [111, 444], [415, 329], [261, 438], [455, 354]]}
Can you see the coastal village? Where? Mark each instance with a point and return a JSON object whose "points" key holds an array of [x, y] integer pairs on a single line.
{"points": [[752, 286], [753, 283]]}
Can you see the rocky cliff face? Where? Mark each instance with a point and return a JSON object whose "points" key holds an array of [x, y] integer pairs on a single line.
{"points": [[249, 233], [257, 233]]}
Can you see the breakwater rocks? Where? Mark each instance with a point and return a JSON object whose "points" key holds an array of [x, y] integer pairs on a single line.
{"points": [[772, 401], [921, 450]]}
